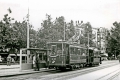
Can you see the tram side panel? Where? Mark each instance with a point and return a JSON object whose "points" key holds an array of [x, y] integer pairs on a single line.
{"points": [[77, 56], [83, 57], [74, 58]]}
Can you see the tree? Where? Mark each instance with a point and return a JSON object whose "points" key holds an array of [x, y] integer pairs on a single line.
{"points": [[6, 30], [53, 30], [70, 30], [87, 34], [44, 33], [14, 35], [114, 40]]}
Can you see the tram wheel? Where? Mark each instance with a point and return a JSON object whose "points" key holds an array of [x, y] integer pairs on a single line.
{"points": [[71, 67], [90, 65], [57, 68]]}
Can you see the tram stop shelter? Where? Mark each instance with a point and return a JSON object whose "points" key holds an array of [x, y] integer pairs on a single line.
{"points": [[27, 62]]}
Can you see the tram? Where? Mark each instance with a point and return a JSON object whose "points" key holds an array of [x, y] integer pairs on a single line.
{"points": [[64, 55]]}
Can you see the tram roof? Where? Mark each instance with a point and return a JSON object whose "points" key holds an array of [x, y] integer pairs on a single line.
{"points": [[58, 42], [93, 48], [77, 46]]}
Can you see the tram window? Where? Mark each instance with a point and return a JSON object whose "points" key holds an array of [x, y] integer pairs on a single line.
{"points": [[85, 51], [96, 53], [49, 46], [72, 50], [75, 51], [53, 49], [83, 54], [79, 50], [59, 48], [65, 49]]}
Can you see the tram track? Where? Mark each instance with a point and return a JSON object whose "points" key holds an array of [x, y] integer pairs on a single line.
{"points": [[112, 77], [109, 78], [71, 74]]}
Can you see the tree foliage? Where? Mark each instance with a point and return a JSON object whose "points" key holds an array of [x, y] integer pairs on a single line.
{"points": [[114, 40], [13, 36], [54, 30]]}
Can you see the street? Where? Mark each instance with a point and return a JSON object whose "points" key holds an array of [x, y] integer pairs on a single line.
{"points": [[63, 75]]}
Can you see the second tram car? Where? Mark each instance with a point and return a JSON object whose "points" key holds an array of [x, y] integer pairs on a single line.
{"points": [[94, 57], [64, 55]]}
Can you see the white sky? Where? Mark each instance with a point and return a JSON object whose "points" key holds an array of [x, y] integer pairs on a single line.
{"points": [[100, 13]]}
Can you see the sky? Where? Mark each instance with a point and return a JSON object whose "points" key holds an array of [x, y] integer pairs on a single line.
{"points": [[100, 13]]}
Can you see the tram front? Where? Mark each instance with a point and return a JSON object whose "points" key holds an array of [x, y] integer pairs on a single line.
{"points": [[56, 58]]}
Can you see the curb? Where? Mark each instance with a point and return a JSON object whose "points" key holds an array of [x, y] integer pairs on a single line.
{"points": [[17, 74], [9, 68], [24, 73]]}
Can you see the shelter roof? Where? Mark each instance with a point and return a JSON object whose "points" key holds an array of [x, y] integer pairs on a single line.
{"points": [[39, 49]]}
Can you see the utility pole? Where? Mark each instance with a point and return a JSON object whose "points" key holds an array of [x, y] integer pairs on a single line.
{"points": [[28, 30], [28, 52], [88, 46], [64, 30]]}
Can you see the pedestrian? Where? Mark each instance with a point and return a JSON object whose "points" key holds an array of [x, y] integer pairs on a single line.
{"points": [[13, 61], [0, 58], [118, 57], [34, 60], [8, 60], [37, 62]]}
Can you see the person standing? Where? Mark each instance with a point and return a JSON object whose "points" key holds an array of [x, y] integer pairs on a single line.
{"points": [[12, 59], [34, 60], [119, 58], [37, 62], [0, 58], [8, 60]]}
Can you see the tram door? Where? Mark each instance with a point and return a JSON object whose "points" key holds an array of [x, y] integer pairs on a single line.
{"points": [[42, 58], [91, 54]]}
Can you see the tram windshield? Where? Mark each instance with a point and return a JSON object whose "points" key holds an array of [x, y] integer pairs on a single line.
{"points": [[59, 48], [54, 47]]}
